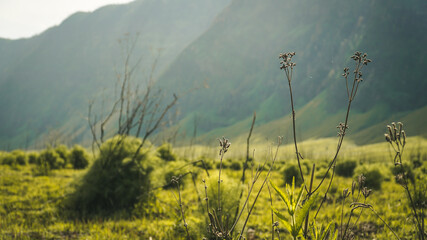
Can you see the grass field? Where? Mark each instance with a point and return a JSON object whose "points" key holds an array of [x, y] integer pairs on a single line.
{"points": [[31, 206]]}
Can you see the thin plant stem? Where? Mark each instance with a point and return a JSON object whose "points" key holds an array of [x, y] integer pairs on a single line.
{"points": [[397, 237], [289, 76], [308, 196], [342, 215], [180, 205], [272, 215], [259, 191], [219, 189]]}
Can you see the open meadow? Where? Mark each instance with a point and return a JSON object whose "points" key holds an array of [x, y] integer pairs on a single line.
{"points": [[32, 204]]}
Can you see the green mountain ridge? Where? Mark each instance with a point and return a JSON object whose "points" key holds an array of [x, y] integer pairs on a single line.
{"points": [[238, 58], [232, 47], [47, 81]]}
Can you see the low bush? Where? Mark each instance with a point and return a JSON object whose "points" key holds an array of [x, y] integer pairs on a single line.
{"points": [[78, 157], [49, 157], [345, 168], [20, 157], [63, 153], [172, 169], [404, 169], [33, 157], [373, 176], [8, 159], [115, 182], [205, 163], [291, 171], [235, 165], [321, 173], [165, 152]]}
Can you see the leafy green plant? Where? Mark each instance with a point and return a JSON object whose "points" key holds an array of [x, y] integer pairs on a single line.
{"points": [[373, 176], [346, 168], [165, 152], [291, 173], [33, 157], [49, 159], [8, 159], [323, 233], [20, 157], [297, 210], [396, 137], [63, 152], [115, 182], [78, 157]]}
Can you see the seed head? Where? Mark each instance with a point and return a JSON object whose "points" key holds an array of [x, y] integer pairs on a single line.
{"points": [[404, 137], [224, 144], [361, 181], [345, 193], [390, 132], [387, 137], [366, 192], [353, 187], [287, 60]]}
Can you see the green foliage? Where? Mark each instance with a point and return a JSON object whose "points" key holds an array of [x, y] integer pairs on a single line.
{"points": [[33, 157], [20, 157], [13, 158], [404, 169], [49, 157], [205, 163], [230, 190], [163, 175], [290, 172], [297, 211], [321, 173], [324, 233], [165, 152], [115, 182], [78, 157], [235, 165], [63, 152], [373, 176], [346, 168], [8, 159], [420, 192]]}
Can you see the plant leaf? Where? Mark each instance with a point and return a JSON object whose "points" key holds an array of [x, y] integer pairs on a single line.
{"points": [[330, 228], [302, 213], [299, 196], [287, 226], [282, 195], [278, 214]]}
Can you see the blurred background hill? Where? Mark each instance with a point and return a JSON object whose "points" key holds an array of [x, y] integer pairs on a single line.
{"points": [[230, 47]]}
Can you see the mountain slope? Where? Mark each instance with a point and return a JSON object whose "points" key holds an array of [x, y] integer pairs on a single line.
{"points": [[47, 80], [232, 47], [237, 56]]}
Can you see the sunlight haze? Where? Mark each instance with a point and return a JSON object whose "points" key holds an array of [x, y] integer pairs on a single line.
{"points": [[26, 18]]}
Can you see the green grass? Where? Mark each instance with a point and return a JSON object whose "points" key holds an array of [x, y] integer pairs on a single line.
{"points": [[30, 206]]}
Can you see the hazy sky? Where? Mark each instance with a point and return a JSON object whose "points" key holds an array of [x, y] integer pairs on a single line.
{"points": [[25, 18]]}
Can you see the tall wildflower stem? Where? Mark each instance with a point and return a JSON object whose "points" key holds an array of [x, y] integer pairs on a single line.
{"points": [[176, 181], [259, 191], [398, 138], [287, 65], [219, 189], [224, 144], [360, 61]]}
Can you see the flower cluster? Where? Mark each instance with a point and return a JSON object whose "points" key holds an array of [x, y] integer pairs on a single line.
{"points": [[224, 144], [341, 129], [362, 58], [346, 72], [287, 60]]}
